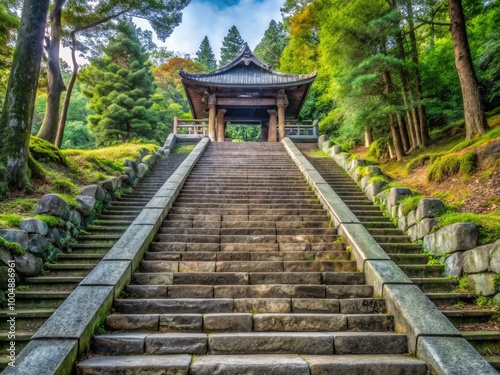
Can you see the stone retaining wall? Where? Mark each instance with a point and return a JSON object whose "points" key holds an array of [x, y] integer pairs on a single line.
{"points": [[455, 245], [57, 224]]}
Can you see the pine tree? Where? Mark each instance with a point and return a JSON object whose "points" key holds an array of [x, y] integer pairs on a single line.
{"points": [[206, 56], [231, 46], [121, 87], [272, 44]]}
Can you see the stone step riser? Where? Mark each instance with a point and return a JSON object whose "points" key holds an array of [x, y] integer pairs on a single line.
{"points": [[245, 224], [245, 322], [248, 256], [251, 343], [242, 247]]}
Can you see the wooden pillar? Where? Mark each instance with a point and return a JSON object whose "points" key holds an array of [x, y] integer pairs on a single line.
{"points": [[282, 103], [176, 124], [195, 128], [221, 125], [271, 135], [212, 101]]}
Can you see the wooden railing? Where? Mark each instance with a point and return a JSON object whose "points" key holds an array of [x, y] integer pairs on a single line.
{"points": [[190, 126], [200, 126]]}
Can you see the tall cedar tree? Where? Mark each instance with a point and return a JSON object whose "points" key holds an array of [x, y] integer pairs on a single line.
{"points": [[17, 114], [9, 23], [475, 118], [120, 86], [231, 46], [77, 16], [205, 55], [272, 44]]}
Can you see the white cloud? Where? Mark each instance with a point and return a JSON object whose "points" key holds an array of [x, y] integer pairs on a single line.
{"points": [[251, 17]]}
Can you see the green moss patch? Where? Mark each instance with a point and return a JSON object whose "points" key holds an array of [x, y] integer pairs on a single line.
{"points": [[12, 247], [410, 203], [10, 220], [488, 225], [46, 151], [183, 148], [452, 164]]}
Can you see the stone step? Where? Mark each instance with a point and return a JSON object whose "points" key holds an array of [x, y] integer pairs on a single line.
{"points": [[247, 231], [247, 322], [378, 224], [245, 224], [409, 258], [79, 258], [485, 342], [22, 339], [245, 211], [26, 320], [398, 239], [450, 299], [191, 198], [262, 364], [243, 247], [463, 317], [436, 284], [247, 305], [250, 343], [421, 270], [385, 232], [250, 206], [239, 218], [401, 247], [40, 299], [111, 223], [245, 266], [61, 283], [248, 256], [250, 238]]}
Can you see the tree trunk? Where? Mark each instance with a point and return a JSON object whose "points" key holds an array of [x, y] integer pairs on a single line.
{"points": [[55, 86], [396, 136], [17, 114], [404, 132], [368, 137], [64, 111], [422, 116], [475, 118]]}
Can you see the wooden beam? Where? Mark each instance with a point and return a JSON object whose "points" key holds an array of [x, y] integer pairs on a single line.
{"points": [[246, 101]]}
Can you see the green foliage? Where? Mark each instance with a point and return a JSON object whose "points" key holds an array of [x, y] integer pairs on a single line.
{"points": [[245, 133], [12, 247], [121, 87], [483, 301], [205, 55], [448, 165], [183, 148], [378, 149], [487, 224], [10, 220], [463, 285], [4, 181], [231, 46], [410, 203], [496, 282], [64, 187], [44, 151], [271, 46], [419, 161], [51, 221]]}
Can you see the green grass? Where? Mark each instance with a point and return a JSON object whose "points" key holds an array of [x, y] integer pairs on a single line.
{"points": [[410, 203], [183, 148], [10, 220], [488, 225], [11, 247], [317, 154]]}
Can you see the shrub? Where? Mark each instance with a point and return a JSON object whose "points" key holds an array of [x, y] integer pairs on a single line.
{"points": [[46, 151], [378, 149], [64, 186]]}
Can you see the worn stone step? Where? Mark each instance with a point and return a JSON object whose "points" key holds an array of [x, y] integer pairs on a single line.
{"points": [[111, 223], [245, 224], [247, 322], [378, 224], [449, 299], [79, 258], [409, 258], [21, 340], [146, 365], [248, 256], [485, 342], [435, 284], [26, 320], [66, 283], [385, 232], [174, 306], [400, 239], [40, 299], [263, 230], [421, 270], [401, 247], [70, 269], [250, 343], [467, 317]]}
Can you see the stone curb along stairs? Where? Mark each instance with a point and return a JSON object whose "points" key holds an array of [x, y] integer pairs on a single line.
{"points": [[67, 333], [431, 336], [56, 346]]}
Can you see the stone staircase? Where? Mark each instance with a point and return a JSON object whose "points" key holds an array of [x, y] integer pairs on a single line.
{"points": [[457, 306], [246, 276], [40, 296]]}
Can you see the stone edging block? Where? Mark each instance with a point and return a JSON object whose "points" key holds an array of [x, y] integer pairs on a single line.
{"points": [[115, 273], [452, 356], [78, 316], [416, 314], [383, 272], [46, 357]]}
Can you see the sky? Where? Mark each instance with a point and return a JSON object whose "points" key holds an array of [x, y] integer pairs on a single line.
{"points": [[214, 18]]}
